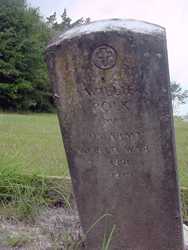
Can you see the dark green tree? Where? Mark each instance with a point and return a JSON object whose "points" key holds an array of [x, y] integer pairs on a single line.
{"points": [[24, 81], [65, 23], [24, 35]]}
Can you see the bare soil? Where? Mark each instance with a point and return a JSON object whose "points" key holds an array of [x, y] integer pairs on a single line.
{"points": [[54, 229]]}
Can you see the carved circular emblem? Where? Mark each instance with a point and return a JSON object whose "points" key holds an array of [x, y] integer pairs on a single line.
{"points": [[104, 57]]}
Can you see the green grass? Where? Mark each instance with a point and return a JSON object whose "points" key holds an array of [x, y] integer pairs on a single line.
{"points": [[24, 195], [33, 143], [181, 128]]}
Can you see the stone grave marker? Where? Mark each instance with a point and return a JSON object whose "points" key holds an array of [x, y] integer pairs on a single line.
{"points": [[111, 86]]}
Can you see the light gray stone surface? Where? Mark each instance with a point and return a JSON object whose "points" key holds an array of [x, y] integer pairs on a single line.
{"points": [[112, 93], [185, 232]]}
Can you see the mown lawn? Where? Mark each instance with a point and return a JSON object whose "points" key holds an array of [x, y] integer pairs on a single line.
{"points": [[181, 128], [33, 144]]}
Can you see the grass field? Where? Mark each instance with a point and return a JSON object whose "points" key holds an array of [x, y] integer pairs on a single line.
{"points": [[33, 144], [181, 128]]}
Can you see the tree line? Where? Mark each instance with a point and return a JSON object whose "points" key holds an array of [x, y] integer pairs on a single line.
{"points": [[24, 35]]}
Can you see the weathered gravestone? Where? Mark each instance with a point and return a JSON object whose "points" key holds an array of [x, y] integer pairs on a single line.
{"points": [[111, 85]]}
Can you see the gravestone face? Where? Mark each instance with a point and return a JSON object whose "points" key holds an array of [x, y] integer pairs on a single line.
{"points": [[111, 85]]}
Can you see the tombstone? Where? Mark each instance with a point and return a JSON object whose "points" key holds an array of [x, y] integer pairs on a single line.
{"points": [[111, 86]]}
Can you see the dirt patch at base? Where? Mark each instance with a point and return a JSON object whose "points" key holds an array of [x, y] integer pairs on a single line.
{"points": [[54, 229]]}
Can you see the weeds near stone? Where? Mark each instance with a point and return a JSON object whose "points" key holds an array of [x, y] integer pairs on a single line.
{"points": [[107, 240], [28, 193]]}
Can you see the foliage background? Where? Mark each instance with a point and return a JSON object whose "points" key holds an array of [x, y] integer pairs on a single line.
{"points": [[24, 81], [24, 35]]}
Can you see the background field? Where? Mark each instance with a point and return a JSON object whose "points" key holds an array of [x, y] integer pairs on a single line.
{"points": [[181, 128], [33, 144]]}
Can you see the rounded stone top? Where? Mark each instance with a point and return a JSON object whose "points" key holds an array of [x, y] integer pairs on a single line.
{"points": [[107, 25]]}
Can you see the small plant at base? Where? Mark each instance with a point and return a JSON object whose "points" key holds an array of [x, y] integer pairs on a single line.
{"points": [[107, 241]]}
